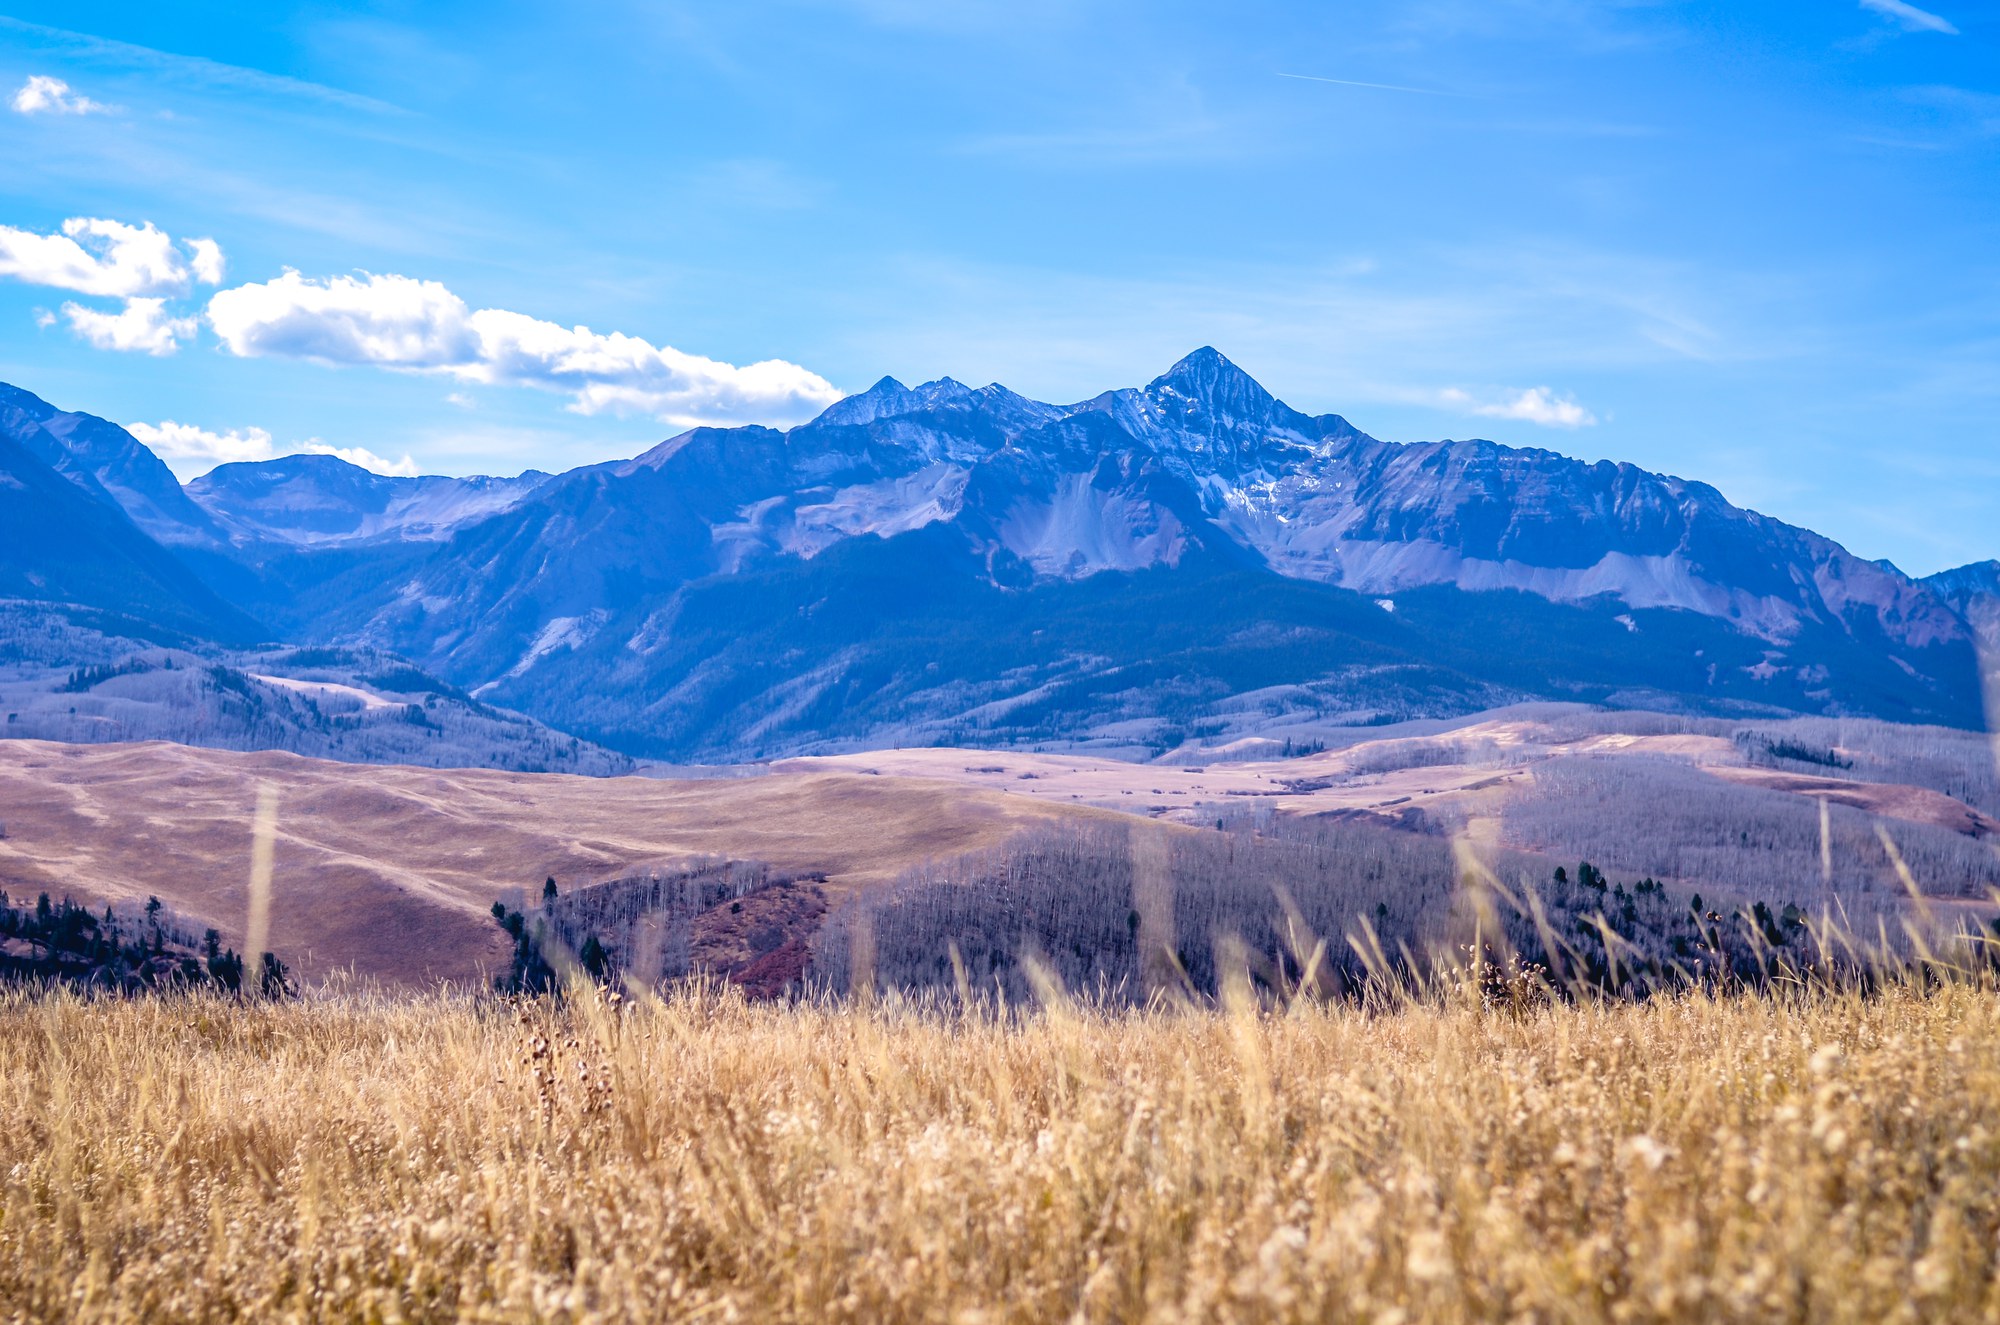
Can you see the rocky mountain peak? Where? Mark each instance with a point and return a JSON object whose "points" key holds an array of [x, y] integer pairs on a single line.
{"points": [[1206, 377], [107, 461], [889, 399], [885, 399], [1961, 584], [1211, 417]]}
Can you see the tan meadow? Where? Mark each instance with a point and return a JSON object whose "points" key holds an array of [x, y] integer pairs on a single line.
{"points": [[349, 1157]]}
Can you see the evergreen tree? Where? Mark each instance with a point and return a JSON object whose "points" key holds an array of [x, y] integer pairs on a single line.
{"points": [[226, 970]]}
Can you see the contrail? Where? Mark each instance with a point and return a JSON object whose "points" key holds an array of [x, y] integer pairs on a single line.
{"points": [[1379, 87], [263, 841]]}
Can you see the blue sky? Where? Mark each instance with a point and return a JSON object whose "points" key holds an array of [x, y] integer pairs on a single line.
{"points": [[1749, 243]]}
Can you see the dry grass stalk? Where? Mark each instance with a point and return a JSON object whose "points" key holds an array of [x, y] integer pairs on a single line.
{"points": [[1826, 1157]]}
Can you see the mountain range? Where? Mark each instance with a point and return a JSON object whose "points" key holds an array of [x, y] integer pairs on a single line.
{"points": [[1154, 570]]}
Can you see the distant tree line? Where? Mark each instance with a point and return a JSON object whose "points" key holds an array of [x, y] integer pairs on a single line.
{"points": [[1664, 818], [640, 925], [64, 943], [1331, 909], [87, 678], [1122, 912]]}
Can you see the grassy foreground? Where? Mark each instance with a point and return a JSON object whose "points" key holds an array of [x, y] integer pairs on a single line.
{"points": [[354, 1159]]}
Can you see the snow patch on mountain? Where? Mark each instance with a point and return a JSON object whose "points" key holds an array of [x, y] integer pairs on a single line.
{"points": [[1639, 581], [563, 632], [1081, 529], [884, 508], [339, 695]]}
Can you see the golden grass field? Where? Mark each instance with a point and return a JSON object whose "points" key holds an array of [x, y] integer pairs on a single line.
{"points": [[1828, 1157]]}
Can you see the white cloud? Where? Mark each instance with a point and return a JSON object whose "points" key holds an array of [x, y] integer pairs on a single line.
{"points": [[622, 374], [205, 260], [96, 256], [389, 321], [190, 450], [186, 447], [365, 458], [143, 325], [42, 95], [394, 322], [412, 325], [1533, 405], [1909, 17]]}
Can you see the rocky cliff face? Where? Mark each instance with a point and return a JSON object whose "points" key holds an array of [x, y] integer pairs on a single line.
{"points": [[65, 542], [941, 561], [1202, 456], [1200, 472], [1974, 591]]}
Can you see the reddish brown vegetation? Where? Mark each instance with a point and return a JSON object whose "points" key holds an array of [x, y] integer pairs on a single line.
{"points": [[760, 941]]}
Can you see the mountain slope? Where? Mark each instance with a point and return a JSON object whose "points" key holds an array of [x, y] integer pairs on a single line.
{"points": [[916, 556], [61, 544], [84, 687], [944, 562], [108, 463], [1974, 591], [324, 501]]}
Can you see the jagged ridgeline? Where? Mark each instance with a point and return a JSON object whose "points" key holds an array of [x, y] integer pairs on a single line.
{"points": [[1188, 562]]}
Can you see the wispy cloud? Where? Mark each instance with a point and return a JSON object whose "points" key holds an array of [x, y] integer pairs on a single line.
{"points": [[1537, 405], [1170, 119], [1379, 87], [1155, 141], [1909, 17], [1961, 112], [193, 67], [43, 95], [754, 183], [960, 17]]}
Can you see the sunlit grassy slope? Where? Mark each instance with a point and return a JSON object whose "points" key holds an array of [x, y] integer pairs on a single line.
{"points": [[1832, 1158]]}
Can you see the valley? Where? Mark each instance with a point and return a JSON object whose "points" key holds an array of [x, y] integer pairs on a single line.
{"points": [[390, 871]]}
